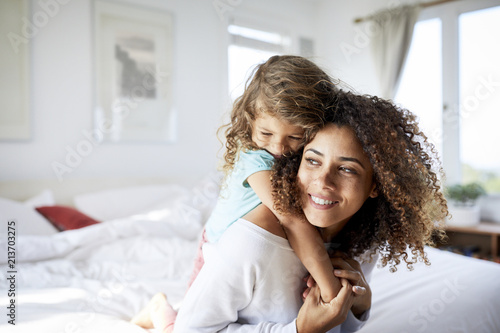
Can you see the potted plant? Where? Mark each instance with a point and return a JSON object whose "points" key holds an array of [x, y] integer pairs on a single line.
{"points": [[463, 204]]}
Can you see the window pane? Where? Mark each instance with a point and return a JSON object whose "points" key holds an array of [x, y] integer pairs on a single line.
{"points": [[242, 61], [480, 97], [248, 48], [420, 88]]}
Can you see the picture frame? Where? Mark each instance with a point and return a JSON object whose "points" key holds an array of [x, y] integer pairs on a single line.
{"points": [[15, 38], [133, 71]]}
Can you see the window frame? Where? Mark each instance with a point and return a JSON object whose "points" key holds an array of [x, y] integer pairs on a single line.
{"points": [[449, 14]]}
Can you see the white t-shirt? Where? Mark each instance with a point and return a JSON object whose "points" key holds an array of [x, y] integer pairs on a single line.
{"points": [[252, 281]]}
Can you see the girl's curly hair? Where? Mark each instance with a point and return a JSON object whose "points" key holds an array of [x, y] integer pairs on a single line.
{"points": [[291, 88], [410, 208]]}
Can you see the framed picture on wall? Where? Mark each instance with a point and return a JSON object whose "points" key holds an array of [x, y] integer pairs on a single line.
{"points": [[15, 113], [133, 71]]}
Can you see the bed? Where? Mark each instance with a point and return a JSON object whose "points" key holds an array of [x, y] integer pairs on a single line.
{"points": [[124, 245]]}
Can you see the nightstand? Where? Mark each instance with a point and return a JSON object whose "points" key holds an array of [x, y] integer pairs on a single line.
{"points": [[482, 239]]}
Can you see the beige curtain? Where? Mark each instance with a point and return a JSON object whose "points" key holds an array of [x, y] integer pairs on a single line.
{"points": [[391, 43]]}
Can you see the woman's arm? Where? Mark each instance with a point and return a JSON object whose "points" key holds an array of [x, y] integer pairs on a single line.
{"points": [[314, 316], [350, 269], [302, 236], [358, 276]]}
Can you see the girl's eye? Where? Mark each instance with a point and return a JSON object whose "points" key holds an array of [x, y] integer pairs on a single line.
{"points": [[265, 133], [295, 138]]}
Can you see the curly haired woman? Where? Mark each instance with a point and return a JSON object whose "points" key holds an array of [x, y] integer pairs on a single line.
{"points": [[409, 205], [367, 182]]}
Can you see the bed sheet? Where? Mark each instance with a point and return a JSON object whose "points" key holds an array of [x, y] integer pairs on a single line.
{"points": [[96, 278], [454, 294]]}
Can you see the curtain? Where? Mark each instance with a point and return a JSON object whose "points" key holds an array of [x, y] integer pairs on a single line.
{"points": [[390, 45]]}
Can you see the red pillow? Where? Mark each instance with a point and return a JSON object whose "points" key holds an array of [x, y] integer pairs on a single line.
{"points": [[66, 218]]}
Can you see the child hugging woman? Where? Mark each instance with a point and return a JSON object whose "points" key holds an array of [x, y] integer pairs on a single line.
{"points": [[280, 110], [368, 180]]}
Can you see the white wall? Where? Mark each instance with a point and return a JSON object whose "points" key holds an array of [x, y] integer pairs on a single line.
{"points": [[62, 94], [345, 45]]}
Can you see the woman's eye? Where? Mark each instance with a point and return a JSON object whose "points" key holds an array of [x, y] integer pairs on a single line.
{"points": [[296, 138], [348, 170], [311, 161], [266, 133]]}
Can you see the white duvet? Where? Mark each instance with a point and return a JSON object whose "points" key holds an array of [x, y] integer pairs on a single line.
{"points": [[96, 278]]}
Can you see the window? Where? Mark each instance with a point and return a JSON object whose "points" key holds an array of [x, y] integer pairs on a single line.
{"points": [[422, 77], [451, 81], [479, 55], [249, 47]]}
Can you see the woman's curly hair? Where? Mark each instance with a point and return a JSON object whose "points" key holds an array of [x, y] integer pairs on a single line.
{"points": [[410, 208], [291, 88]]}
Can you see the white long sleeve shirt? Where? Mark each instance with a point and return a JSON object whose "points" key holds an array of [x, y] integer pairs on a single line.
{"points": [[251, 281]]}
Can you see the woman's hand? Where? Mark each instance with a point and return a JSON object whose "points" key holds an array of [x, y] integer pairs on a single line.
{"points": [[350, 269], [315, 316]]}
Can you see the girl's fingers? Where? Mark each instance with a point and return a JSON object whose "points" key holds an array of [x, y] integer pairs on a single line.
{"points": [[353, 276], [305, 293], [310, 281], [344, 293]]}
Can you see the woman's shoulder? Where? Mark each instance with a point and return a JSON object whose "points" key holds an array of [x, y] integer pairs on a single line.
{"points": [[265, 219], [258, 229], [247, 243]]}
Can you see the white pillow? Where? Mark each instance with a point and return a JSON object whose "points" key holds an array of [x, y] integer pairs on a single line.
{"points": [[27, 220], [123, 202], [45, 198]]}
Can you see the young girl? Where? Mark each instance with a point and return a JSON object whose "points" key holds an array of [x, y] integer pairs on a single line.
{"points": [[281, 108]]}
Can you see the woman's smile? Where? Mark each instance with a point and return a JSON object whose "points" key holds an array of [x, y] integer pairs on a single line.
{"points": [[322, 203]]}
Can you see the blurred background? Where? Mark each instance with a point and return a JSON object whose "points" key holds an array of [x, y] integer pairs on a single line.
{"points": [[73, 119]]}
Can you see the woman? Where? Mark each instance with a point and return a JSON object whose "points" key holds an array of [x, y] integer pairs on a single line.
{"points": [[366, 181]]}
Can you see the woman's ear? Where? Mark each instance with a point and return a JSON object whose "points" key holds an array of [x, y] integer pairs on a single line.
{"points": [[374, 191]]}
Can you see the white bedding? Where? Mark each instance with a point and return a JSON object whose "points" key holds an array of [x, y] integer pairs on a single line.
{"points": [[96, 278], [101, 274], [454, 294]]}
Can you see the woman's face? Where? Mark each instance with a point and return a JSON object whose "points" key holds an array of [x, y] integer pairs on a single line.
{"points": [[335, 178]]}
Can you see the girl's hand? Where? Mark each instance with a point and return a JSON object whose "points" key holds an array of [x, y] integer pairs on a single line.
{"points": [[315, 316], [350, 269]]}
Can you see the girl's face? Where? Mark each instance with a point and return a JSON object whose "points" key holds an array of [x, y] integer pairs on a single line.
{"points": [[335, 178], [276, 136]]}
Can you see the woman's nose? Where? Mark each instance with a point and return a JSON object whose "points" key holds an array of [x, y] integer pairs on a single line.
{"points": [[326, 178]]}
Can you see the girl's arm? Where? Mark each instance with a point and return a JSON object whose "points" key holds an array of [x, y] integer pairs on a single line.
{"points": [[303, 238]]}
